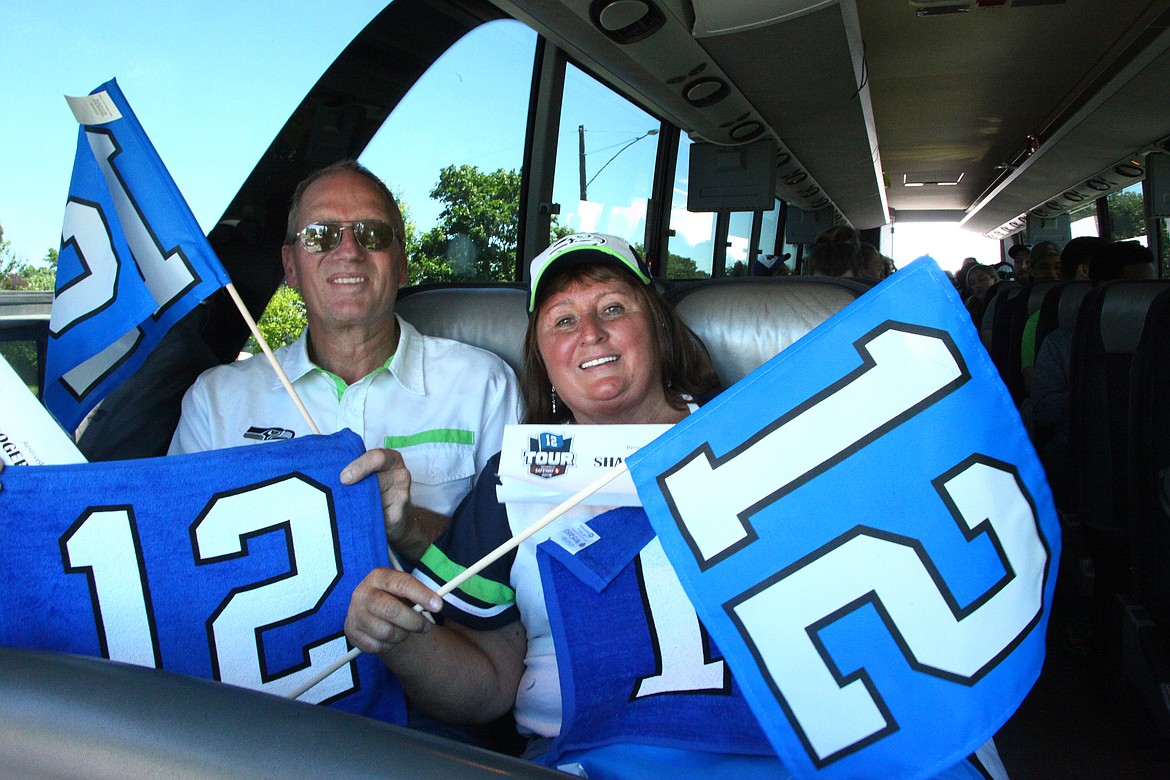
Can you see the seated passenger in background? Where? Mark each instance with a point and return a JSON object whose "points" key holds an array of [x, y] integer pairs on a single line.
{"points": [[1019, 255], [961, 276], [874, 265], [1044, 263], [840, 234], [430, 405], [1050, 375], [1074, 264], [834, 258], [980, 279]]}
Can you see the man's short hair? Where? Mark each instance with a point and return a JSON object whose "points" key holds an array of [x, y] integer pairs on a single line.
{"points": [[341, 166], [1078, 252]]}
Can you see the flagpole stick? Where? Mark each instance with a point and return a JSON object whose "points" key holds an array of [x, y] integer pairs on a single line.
{"points": [[547, 518], [284, 380], [296, 399], [481, 564]]}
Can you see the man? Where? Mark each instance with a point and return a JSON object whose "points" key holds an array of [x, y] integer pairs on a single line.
{"points": [[1044, 263], [1017, 268], [431, 411], [1073, 263]]}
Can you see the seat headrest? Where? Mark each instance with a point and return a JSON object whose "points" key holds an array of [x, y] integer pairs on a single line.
{"points": [[745, 322], [490, 317]]}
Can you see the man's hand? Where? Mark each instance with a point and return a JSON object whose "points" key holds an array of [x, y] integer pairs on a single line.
{"points": [[381, 614], [393, 484], [411, 529]]}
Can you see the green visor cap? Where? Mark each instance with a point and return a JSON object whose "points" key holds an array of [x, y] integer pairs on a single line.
{"points": [[581, 248]]}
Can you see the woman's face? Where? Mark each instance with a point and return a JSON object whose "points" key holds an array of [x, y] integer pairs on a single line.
{"points": [[980, 283], [596, 340]]}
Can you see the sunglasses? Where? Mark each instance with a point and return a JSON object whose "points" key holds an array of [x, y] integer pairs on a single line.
{"points": [[372, 234]]}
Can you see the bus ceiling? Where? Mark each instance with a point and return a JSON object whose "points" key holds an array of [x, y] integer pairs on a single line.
{"points": [[982, 113]]}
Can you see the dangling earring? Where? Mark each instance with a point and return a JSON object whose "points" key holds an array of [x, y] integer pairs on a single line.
{"points": [[553, 393]]}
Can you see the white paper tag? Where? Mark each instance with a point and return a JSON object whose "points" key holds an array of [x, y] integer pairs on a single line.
{"points": [[97, 109], [545, 464], [29, 436], [575, 538]]}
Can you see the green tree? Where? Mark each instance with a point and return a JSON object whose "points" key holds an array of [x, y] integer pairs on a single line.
{"points": [[282, 321], [476, 235], [677, 266], [19, 274], [1127, 215]]}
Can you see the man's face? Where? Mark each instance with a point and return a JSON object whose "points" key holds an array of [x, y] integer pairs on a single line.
{"points": [[348, 285], [1045, 268]]}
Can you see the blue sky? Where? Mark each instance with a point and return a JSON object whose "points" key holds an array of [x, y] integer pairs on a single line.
{"points": [[211, 82]]}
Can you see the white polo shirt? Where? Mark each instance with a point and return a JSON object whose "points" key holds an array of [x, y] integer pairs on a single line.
{"points": [[441, 403]]}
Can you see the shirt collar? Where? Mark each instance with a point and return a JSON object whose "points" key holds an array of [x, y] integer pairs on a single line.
{"points": [[295, 359], [405, 365]]}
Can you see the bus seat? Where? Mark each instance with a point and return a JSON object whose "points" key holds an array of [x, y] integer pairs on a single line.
{"points": [[1146, 614], [1149, 459], [745, 321], [1108, 328], [492, 317], [1023, 307], [997, 323], [985, 323], [1059, 308]]}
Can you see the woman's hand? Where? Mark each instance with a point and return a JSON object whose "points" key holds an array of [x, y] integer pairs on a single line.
{"points": [[381, 611]]}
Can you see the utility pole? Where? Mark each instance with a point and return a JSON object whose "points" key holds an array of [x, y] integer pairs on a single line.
{"points": [[581, 160]]}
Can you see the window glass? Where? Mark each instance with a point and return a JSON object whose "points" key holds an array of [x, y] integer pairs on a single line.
{"points": [[692, 235], [24, 357], [452, 152], [739, 237], [1083, 221], [605, 161], [769, 225], [943, 242], [1127, 214]]}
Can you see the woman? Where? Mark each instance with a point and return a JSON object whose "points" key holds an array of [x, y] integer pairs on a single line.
{"points": [[980, 279], [613, 675]]}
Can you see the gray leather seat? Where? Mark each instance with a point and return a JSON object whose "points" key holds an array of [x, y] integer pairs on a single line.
{"points": [[743, 322]]}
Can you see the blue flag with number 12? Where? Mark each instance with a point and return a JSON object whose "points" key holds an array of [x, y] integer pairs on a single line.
{"points": [[864, 528], [133, 259]]}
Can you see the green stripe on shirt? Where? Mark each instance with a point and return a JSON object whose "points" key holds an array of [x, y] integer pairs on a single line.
{"points": [[436, 435], [476, 587]]}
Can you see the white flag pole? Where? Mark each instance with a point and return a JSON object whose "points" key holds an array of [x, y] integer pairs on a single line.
{"points": [[296, 399], [481, 564], [284, 380]]}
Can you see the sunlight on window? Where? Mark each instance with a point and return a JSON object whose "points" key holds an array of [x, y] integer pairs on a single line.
{"points": [[946, 242]]}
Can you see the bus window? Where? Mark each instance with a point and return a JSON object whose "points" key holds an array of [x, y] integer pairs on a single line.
{"points": [[452, 153], [1083, 221], [769, 227], [739, 238], [23, 355], [1127, 214], [692, 235], [605, 160]]}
